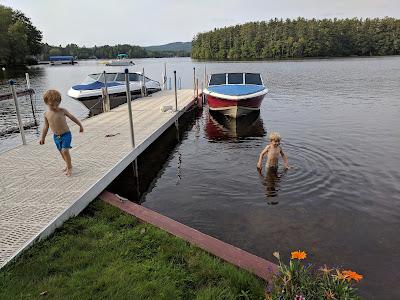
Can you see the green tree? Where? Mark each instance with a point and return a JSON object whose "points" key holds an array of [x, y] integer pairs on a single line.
{"points": [[279, 39], [18, 37]]}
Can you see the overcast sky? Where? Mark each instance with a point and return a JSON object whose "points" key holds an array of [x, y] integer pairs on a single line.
{"points": [[155, 22]]}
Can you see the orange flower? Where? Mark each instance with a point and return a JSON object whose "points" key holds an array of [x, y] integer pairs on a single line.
{"points": [[299, 255], [352, 275]]}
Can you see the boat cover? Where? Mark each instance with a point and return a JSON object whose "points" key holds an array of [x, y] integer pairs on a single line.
{"points": [[236, 89], [94, 85]]}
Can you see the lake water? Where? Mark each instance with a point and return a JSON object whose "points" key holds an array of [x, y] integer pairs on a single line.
{"points": [[339, 122]]}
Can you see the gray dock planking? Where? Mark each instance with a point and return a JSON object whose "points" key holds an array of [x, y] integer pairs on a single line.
{"points": [[36, 197]]}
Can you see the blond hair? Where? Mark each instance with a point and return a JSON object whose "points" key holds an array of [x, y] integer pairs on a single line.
{"points": [[274, 136], [51, 97]]}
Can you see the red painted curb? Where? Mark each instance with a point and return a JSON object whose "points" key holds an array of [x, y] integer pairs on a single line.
{"points": [[250, 262]]}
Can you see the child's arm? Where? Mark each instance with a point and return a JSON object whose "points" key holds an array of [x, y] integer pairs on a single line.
{"points": [[285, 160], [44, 130], [74, 119], [260, 159]]}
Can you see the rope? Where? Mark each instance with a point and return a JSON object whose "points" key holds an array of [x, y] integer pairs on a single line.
{"points": [[100, 99]]}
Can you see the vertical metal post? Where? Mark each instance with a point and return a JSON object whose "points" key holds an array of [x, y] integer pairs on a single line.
{"points": [[165, 76], [205, 76], [143, 82], [180, 82], [194, 81], [28, 85], [107, 97], [21, 126], [202, 94], [129, 99], [197, 90], [176, 93]]}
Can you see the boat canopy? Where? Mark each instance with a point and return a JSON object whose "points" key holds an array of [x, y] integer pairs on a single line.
{"points": [[61, 58], [122, 56], [96, 85], [235, 78], [110, 77]]}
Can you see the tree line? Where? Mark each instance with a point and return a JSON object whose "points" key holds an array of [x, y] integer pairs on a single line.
{"points": [[285, 39], [21, 43], [105, 52]]}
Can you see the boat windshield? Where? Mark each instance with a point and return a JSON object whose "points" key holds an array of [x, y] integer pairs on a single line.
{"points": [[132, 77], [235, 78], [217, 79], [109, 77], [253, 78], [91, 78], [120, 77]]}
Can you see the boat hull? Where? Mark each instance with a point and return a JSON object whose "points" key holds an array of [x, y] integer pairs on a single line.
{"points": [[234, 107]]}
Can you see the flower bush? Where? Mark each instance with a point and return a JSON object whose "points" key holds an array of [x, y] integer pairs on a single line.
{"points": [[297, 281]]}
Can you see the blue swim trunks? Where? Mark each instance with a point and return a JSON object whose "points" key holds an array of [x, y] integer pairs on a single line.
{"points": [[63, 141]]}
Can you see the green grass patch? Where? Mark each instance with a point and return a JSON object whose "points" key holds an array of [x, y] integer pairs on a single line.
{"points": [[106, 254]]}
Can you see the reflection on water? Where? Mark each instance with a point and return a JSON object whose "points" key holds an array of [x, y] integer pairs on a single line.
{"points": [[152, 162], [339, 122], [271, 183], [220, 127]]}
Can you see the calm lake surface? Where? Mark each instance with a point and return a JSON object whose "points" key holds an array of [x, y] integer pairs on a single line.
{"points": [[339, 122]]}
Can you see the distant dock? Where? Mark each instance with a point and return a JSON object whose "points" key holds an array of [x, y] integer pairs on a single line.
{"points": [[36, 197]]}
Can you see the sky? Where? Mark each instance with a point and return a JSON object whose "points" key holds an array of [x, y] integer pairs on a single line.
{"points": [[156, 22]]}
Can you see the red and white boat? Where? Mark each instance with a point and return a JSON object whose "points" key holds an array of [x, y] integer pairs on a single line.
{"points": [[235, 94]]}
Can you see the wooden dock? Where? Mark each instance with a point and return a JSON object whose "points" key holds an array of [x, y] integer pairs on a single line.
{"points": [[36, 197]]}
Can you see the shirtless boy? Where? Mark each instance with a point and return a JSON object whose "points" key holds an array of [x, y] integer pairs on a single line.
{"points": [[55, 117], [272, 150]]}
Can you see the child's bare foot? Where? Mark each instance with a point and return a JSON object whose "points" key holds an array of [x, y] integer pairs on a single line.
{"points": [[68, 172], [65, 169]]}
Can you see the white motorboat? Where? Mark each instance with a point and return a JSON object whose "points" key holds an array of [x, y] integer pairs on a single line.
{"points": [[122, 60], [90, 91]]}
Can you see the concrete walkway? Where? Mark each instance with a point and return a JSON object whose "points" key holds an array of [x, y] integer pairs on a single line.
{"points": [[36, 197]]}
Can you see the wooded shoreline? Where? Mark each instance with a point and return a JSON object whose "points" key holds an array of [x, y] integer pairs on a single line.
{"points": [[300, 38]]}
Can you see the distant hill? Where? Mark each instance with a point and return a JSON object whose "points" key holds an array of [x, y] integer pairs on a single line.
{"points": [[177, 46]]}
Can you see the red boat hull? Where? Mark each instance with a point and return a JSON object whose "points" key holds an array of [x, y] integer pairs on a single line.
{"points": [[234, 108]]}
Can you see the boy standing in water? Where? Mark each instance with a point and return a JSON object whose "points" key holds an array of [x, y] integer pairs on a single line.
{"points": [[55, 117], [273, 150]]}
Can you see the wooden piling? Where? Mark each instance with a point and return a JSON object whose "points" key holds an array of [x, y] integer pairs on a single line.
{"points": [[21, 126], [107, 96]]}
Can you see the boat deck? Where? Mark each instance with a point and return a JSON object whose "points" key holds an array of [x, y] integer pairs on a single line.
{"points": [[36, 197]]}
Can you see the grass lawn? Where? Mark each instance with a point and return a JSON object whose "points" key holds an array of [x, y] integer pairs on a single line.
{"points": [[106, 254]]}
